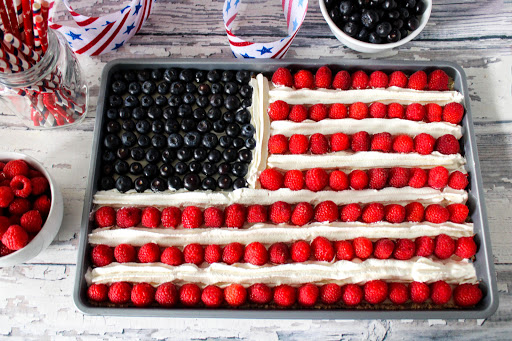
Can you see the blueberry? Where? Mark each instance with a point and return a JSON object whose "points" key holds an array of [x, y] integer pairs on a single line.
{"points": [[214, 114], [213, 76], [227, 76], [363, 34], [208, 168], [163, 88], [216, 100], [374, 38], [112, 114], [398, 24], [238, 143], [413, 23], [128, 125], [121, 167], [107, 169], [204, 126], [107, 183], [233, 130], [185, 110], [192, 139], [191, 88], [125, 113], [115, 101], [144, 141], [245, 155], [177, 88], [409, 4], [369, 18], [404, 33], [389, 4], [150, 170], [170, 112], [210, 140], [158, 185], [246, 103], [243, 76], [189, 98], [148, 87], [143, 75], [239, 169], [141, 184], [108, 156], [204, 89], [155, 113], [187, 75], [351, 29], [239, 183], [246, 91], [152, 155], [232, 102], [202, 101], [200, 76], [157, 127], [174, 183], [355, 17], [156, 74], [228, 117], [394, 36], [112, 141], [224, 182], [420, 8], [166, 170], [168, 155], [188, 124], [194, 167], [393, 15], [200, 154], [191, 182], [123, 184], [225, 141], [147, 101], [159, 141], [224, 168], [404, 13], [143, 127], [137, 153], [180, 168], [248, 130], [219, 126], [139, 113], [171, 75], [128, 139], [136, 168], [229, 154], [208, 183], [243, 116], [171, 126], [184, 154], [134, 89], [231, 88], [113, 127], [383, 29], [129, 76], [217, 88], [214, 156], [346, 7], [175, 100], [250, 143], [335, 15], [119, 87]]}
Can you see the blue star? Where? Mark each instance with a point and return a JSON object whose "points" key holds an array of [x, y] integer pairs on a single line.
{"points": [[129, 28], [74, 35], [118, 45], [301, 3], [295, 24], [236, 2], [124, 9], [137, 8], [247, 56], [228, 7], [107, 23], [265, 50]]}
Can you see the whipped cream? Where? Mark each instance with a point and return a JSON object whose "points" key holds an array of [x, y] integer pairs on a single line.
{"points": [[341, 272]]}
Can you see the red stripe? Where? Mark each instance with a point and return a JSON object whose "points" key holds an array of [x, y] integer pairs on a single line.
{"points": [[142, 19], [73, 13], [285, 46], [282, 4], [95, 40], [230, 20], [114, 34], [150, 5], [87, 22], [55, 26], [243, 43], [289, 14]]}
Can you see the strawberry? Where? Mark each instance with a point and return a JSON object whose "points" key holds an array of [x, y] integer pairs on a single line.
{"points": [[15, 167], [404, 249], [415, 112], [458, 180], [192, 217], [6, 196], [124, 253], [381, 142], [373, 213], [360, 141], [436, 214], [298, 144], [318, 144], [465, 247], [453, 113], [282, 77], [142, 295], [280, 212], [419, 292], [339, 141], [414, 212], [350, 212], [467, 295], [284, 295], [396, 110], [424, 143], [440, 292], [278, 110], [308, 295], [438, 177], [271, 179], [326, 211], [378, 79], [323, 250], [105, 216], [149, 253], [213, 217], [330, 293], [403, 144], [337, 111], [102, 255], [378, 110], [303, 79], [232, 253], [458, 213], [300, 251], [172, 256], [344, 250], [193, 254], [316, 179], [302, 213], [352, 294], [166, 294], [338, 180], [447, 145], [394, 213], [298, 113], [97, 292], [378, 177], [128, 217], [21, 186], [424, 246], [445, 246], [120, 292], [360, 80], [375, 292], [417, 81], [358, 179], [279, 253], [171, 217], [342, 80], [256, 214], [398, 293], [398, 177], [256, 254], [190, 294], [383, 248], [323, 77], [277, 144], [212, 253], [259, 293], [363, 247], [31, 221], [235, 215], [212, 296], [438, 80], [358, 111], [398, 79], [418, 178], [317, 112], [433, 112], [150, 217]]}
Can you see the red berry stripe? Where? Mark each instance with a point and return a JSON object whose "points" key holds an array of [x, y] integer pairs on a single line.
{"points": [[234, 295]]}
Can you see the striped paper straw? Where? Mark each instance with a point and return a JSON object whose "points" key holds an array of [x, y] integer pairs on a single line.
{"points": [[19, 14], [16, 60], [5, 17], [11, 11], [21, 46], [36, 10], [28, 22], [41, 31]]}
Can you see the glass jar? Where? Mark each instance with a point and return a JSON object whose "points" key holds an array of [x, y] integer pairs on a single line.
{"points": [[50, 94]]}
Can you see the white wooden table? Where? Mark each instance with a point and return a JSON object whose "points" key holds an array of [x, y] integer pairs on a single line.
{"points": [[35, 298]]}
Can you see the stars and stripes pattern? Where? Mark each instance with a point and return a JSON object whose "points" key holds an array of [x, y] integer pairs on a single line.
{"points": [[294, 13], [97, 35]]}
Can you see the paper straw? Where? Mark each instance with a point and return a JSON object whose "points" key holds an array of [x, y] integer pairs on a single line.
{"points": [[5, 17], [19, 14], [27, 22], [42, 32], [16, 60], [21, 46], [11, 11], [45, 8]]}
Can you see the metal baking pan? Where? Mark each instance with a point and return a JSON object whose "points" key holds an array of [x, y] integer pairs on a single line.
{"points": [[484, 259]]}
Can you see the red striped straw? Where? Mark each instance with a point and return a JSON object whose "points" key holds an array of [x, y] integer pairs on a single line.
{"points": [[42, 32], [11, 11], [4, 17], [19, 14], [16, 60], [10, 67], [21, 46], [36, 10], [28, 22], [45, 8]]}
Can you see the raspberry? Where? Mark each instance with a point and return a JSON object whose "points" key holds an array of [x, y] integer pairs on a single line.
{"points": [[105, 216], [15, 237], [31, 221], [212, 296], [317, 112], [360, 80], [378, 177], [323, 250], [398, 177], [440, 292], [190, 294], [120, 292], [308, 295], [15, 167], [212, 254], [323, 77], [149, 253], [193, 254], [375, 292], [21, 205], [235, 295], [424, 246], [373, 213], [124, 253], [398, 293], [172, 256], [298, 113], [398, 79], [363, 247], [128, 217], [453, 113], [232, 253], [259, 293], [344, 250], [381, 142], [467, 295], [256, 214], [419, 292], [150, 217], [4, 250], [378, 110], [39, 185], [280, 212], [403, 144], [316, 179], [415, 112], [438, 177], [337, 111], [458, 213], [358, 179], [424, 144], [326, 211], [330, 293], [4, 225], [14, 219], [213, 217], [342, 80], [394, 213], [404, 249], [277, 144], [418, 178], [271, 179], [465, 247], [303, 79], [6, 196], [32, 173], [284, 295], [298, 144], [417, 81], [445, 246], [338, 180], [339, 141], [279, 253], [438, 80], [143, 294], [2, 165], [414, 212], [436, 214], [278, 110], [396, 110], [191, 217], [102, 254], [171, 217], [300, 251], [21, 186], [256, 254], [350, 212], [458, 180], [318, 144], [282, 77], [352, 294], [302, 213], [447, 145], [294, 180], [433, 112], [383, 248], [97, 292], [360, 141], [166, 294], [358, 111], [378, 79]]}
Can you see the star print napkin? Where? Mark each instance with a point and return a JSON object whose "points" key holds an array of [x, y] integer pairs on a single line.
{"points": [[294, 13], [97, 35]]}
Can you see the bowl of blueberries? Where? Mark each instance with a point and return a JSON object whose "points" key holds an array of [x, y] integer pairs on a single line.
{"points": [[373, 26]]}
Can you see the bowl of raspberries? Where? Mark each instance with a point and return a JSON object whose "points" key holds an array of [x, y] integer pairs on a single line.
{"points": [[31, 208]]}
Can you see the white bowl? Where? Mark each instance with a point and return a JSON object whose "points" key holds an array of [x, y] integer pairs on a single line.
{"points": [[361, 46], [50, 227]]}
